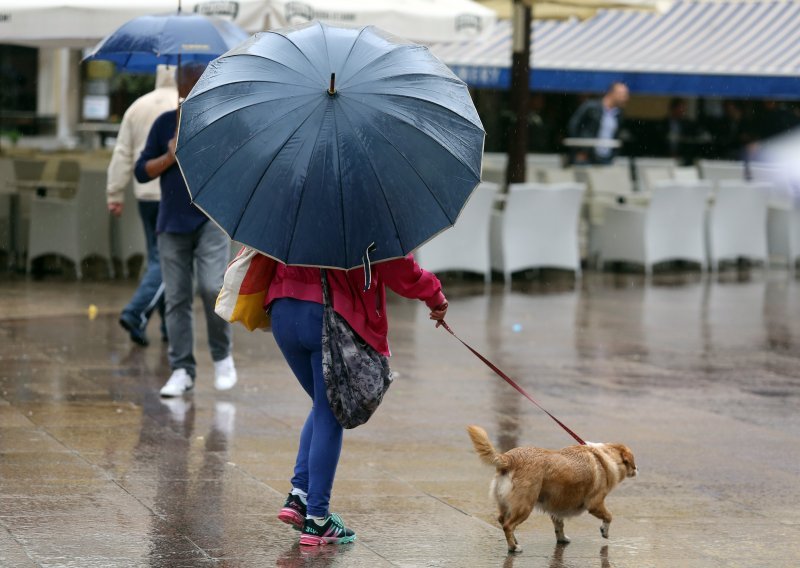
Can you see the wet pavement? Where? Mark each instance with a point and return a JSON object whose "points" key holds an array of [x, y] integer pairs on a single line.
{"points": [[700, 376]]}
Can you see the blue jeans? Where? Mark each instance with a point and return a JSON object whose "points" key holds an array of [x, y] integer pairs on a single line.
{"points": [[205, 251], [297, 328], [149, 296]]}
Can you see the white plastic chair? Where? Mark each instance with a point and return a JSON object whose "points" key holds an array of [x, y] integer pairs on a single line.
{"points": [[544, 160], [607, 186], [672, 227], [465, 246], [649, 176], [553, 175], [783, 217], [494, 168], [622, 161], [685, 174], [718, 170], [610, 182], [25, 171], [538, 228], [7, 189], [656, 166], [74, 228], [130, 239], [737, 222]]}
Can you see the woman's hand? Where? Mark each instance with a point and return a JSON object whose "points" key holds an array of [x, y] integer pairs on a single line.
{"points": [[438, 313]]}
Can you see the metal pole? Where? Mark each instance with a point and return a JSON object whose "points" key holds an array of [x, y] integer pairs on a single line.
{"points": [[520, 91]]}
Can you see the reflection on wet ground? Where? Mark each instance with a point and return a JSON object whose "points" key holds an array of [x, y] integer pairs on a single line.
{"points": [[699, 375]]}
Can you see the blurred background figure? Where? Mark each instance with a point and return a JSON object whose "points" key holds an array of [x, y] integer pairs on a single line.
{"points": [[775, 119], [732, 133], [598, 119], [133, 132], [187, 244], [676, 128]]}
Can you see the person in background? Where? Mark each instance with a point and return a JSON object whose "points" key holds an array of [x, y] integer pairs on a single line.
{"points": [[679, 136], [186, 241], [598, 119], [732, 132], [133, 130], [775, 119]]}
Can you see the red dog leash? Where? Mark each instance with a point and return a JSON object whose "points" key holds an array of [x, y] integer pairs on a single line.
{"points": [[510, 381]]}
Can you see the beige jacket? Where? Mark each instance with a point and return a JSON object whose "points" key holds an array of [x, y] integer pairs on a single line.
{"points": [[132, 136]]}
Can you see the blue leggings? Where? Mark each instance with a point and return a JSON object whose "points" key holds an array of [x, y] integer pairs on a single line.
{"points": [[297, 327]]}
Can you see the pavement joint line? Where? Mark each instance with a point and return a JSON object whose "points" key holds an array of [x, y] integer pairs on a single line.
{"points": [[21, 546]]}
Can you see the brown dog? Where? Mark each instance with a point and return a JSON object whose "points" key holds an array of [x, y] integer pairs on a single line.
{"points": [[562, 483]]}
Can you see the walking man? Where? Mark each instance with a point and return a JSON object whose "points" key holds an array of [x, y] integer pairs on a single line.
{"points": [[186, 241], [136, 123]]}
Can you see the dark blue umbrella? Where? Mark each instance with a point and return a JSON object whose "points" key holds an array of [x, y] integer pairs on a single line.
{"points": [[311, 143], [145, 42]]}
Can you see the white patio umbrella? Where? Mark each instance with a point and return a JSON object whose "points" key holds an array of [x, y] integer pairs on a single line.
{"points": [[418, 20], [82, 23]]}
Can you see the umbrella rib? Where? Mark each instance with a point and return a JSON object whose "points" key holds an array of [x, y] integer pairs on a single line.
{"points": [[260, 131], [237, 109], [325, 43], [265, 58], [352, 47], [406, 75], [260, 179], [435, 198], [419, 129], [297, 47], [302, 192], [341, 191], [378, 179], [371, 61]]}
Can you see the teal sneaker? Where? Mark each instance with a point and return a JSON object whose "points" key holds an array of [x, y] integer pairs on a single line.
{"points": [[293, 512], [332, 531]]}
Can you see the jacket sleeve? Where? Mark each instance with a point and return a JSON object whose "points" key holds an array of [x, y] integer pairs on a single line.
{"points": [[120, 169], [152, 149], [578, 126], [405, 277]]}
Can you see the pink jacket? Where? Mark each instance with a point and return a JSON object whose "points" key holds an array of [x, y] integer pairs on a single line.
{"points": [[364, 311]]}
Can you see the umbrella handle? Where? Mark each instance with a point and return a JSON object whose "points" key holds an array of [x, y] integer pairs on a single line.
{"points": [[368, 266], [332, 90]]}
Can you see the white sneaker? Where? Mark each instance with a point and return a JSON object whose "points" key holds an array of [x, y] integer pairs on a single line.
{"points": [[178, 383], [224, 374]]}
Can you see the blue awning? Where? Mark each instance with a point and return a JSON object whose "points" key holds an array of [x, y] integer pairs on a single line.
{"points": [[729, 49]]}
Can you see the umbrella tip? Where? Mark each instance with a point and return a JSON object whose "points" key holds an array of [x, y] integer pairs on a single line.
{"points": [[331, 89]]}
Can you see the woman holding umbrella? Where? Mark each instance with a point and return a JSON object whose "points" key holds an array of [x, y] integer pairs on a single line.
{"points": [[313, 145], [295, 300]]}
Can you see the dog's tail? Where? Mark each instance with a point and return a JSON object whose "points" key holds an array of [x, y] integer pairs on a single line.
{"points": [[485, 449]]}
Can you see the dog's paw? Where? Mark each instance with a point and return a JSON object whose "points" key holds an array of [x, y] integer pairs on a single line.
{"points": [[563, 539], [604, 530], [516, 549]]}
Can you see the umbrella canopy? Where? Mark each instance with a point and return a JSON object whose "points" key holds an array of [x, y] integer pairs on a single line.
{"points": [[311, 169], [148, 41]]}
